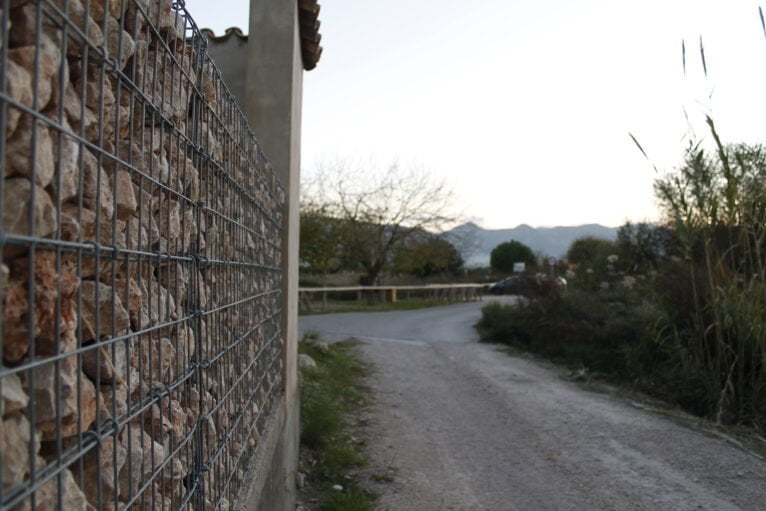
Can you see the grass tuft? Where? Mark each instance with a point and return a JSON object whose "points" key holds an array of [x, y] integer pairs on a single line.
{"points": [[331, 394], [352, 499]]}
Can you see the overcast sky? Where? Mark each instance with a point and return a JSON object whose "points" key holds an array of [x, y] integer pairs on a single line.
{"points": [[525, 105]]}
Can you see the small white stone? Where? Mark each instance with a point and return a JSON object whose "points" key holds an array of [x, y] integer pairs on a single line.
{"points": [[306, 361]]}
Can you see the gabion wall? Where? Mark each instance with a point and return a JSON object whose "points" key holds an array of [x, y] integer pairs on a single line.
{"points": [[140, 273]]}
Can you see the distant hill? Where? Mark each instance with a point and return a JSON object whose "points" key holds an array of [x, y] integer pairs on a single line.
{"points": [[475, 243]]}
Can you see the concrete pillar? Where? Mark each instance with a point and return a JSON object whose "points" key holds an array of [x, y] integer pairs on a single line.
{"points": [[273, 107]]}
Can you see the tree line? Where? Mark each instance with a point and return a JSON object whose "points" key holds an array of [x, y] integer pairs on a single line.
{"points": [[360, 217]]}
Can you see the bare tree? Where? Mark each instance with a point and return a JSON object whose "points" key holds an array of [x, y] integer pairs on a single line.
{"points": [[377, 208]]}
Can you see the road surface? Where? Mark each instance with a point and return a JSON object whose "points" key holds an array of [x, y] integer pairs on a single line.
{"points": [[465, 427]]}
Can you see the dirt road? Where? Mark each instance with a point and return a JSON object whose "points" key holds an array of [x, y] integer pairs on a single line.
{"points": [[468, 428]]}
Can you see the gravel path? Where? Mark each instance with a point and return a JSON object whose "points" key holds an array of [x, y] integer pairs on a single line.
{"points": [[468, 428]]}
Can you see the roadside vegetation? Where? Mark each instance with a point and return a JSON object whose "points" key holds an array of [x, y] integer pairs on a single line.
{"points": [[677, 310], [332, 396], [352, 305]]}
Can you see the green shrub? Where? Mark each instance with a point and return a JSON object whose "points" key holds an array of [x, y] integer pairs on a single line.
{"points": [[579, 328]]}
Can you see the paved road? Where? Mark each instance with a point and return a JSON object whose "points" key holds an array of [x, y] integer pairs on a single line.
{"points": [[468, 428]]}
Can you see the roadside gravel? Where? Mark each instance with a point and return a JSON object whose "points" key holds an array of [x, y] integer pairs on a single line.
{"points": [[464, 427]]}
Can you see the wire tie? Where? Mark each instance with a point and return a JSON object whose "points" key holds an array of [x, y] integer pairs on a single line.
{"points": [[93, 434], [104, 51], [112, 426], [113, 63]]}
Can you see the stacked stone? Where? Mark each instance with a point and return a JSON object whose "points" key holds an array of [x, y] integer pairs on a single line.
{"points": [[140, 269]]}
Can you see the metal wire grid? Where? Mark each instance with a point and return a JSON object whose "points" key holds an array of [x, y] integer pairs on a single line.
{"points": [[141, 245]]}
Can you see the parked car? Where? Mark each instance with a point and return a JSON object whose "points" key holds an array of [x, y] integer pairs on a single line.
{"points": [[515, 285], [527, 285]]}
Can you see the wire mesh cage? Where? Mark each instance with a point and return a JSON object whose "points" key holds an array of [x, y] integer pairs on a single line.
{"points": [[140, 274]]}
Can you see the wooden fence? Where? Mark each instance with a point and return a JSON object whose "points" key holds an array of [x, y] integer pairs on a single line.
{"points": [[312, 298]]}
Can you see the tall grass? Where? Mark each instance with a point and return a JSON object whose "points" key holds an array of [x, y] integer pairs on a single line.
{"points": [[716, 203]]}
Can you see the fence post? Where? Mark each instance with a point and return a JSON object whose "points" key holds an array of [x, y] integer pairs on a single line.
{"points": [[273, 105]]}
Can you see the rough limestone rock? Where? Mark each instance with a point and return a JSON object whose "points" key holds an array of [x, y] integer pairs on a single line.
{"points": [[79, 224], [102, 467], [145, 214], [126, 197], [22, 157], [82, 119], [98, 299], [96, 186], [99, 98], [91, 26], [64, 383], [70, 224], [66, 152], [47, 497], [19, 88], [156, 423], [25, 23], [99, 10], [143, 455], [14, 397], [157, 359], [130, 294], [171, 21], [107, 364], [4, 271], [158, 308], [137, 237], [17, 196], [15, 436], [49, 58], [50, 285], [119, 43]]}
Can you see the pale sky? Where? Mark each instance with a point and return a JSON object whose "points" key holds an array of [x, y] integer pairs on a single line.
{"points": [[525, 106]]}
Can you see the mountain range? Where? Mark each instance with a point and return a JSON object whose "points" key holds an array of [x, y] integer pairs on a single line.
{"points": [[476, 243]]}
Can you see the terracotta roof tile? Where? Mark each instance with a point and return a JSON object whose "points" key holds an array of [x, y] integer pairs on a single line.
{"points": [[222, 38], [308, 14]]}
